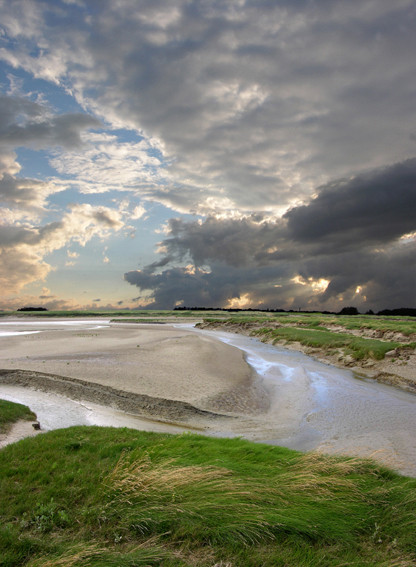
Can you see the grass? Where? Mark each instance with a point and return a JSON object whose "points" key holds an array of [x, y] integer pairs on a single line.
{"points": [[316, 330], [11, 412], [404, 325], [358, 347], [89, 496]]}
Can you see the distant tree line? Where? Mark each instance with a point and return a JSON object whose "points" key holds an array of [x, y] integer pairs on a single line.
{"points": [[32, 309], [402, 311]]}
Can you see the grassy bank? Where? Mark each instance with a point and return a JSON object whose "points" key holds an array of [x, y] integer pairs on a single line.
{"points": [[89, 496], [11, 412], [357, 347], [359, 337]]}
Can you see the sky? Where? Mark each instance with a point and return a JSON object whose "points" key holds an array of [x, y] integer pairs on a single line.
{"points": [[239, 153]]}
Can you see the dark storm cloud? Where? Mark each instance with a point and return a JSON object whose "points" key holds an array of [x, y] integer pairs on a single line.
{"points": [[235, 242], [349, 236], [27, 123], [375, 207], [198, 287]]}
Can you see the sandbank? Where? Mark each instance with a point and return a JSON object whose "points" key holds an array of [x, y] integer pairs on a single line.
{"points": [[147, 367]]}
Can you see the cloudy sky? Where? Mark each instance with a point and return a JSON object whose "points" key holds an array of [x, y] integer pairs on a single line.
{"points": [[239, 153]]}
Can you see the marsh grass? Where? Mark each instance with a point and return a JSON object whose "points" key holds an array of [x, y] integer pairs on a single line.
{"points": [[358, 347], [11, 413], [89, 496], [148, 496]]}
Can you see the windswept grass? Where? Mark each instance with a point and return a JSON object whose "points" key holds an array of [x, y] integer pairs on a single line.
{"points": [[89, 496], [11, 412]]}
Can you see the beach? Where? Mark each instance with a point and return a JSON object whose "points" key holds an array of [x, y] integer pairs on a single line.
{"points": [[174, 378]]}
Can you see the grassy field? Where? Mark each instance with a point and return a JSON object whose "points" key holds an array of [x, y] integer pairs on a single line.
{"points": [[10, 413], [331, 333], [89, 496], [405, 325], [358, 347]]}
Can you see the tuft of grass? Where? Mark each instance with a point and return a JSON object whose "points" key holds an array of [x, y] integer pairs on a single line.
{"points": [[151, 496], [92, 555], [11, 412], [93, 496]]}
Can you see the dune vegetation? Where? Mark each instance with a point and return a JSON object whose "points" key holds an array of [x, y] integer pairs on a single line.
{"points": [[91, 496]]}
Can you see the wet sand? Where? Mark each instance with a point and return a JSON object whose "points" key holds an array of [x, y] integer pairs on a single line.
{"points": [[152, 360]]}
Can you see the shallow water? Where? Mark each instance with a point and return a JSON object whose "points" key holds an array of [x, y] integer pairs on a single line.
{"points": [[337, 411], [56, 412], [25, 327]]}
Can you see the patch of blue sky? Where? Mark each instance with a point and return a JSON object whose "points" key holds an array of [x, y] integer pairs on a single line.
{"points": [[124, 135], [72, 195], [98, 267], [34, 164], [130, 136], [84, 278], [19, 82]]}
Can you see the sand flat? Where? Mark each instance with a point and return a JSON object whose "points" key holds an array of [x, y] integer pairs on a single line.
{"points": [[159, 361]]}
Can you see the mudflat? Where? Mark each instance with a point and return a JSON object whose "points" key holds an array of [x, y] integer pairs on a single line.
{"points": [[158, 361]]}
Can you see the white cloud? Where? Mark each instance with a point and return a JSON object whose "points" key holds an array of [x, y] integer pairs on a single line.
{"points": [[23, 249], [105, 164], [255, 102]]}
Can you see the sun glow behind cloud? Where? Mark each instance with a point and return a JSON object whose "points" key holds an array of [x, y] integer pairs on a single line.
{"points": [[241, 302], [317, 286]]}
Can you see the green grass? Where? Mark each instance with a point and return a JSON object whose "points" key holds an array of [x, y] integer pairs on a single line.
{"points": [[89, 496], [357, 347], [11, 412], [315, 330], [404, 325]]}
